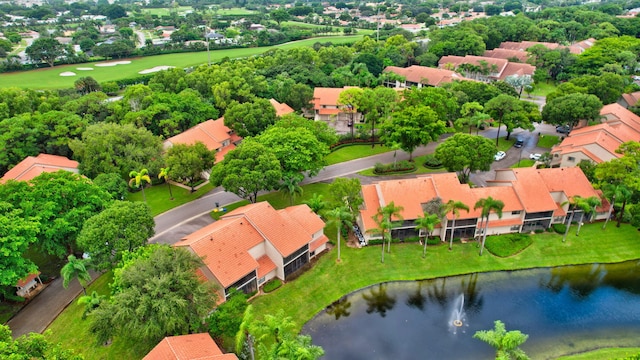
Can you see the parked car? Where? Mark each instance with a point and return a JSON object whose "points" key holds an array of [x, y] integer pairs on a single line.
{"points": [[562, 129], [519, 143], [499, 155], [535, 156]]}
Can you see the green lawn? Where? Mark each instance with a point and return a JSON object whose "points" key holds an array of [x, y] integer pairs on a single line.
{"points": [[504, 144], [158, 197], [542, 89], [603, 354], [548, 141], [354, 152], [523, 163], [420, 169], [166, 11], [50, 78]]}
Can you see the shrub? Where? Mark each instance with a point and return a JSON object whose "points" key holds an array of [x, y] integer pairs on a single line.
{"points": [[434, 241], [398, 167], [271, 285], [559, 228], [508, 244], [431, 162], [538, 231]]}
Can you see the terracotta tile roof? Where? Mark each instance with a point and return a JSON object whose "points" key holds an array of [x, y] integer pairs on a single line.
{"points": [[32, 166], [282, 229], [571, 181], [616, 113], [505, 222], [518, 69], [586, 140], [533, 196], [24, 281], [559, 211], [580, 47], [327, 97], [188, 347], [212, 133], [501, 53], [318, 242], [370, 207], [281, 108], [224, 246], [632, 98], [506, 194], [456, 61], [220, 154], [304, 216], [426, 75], [524, 45], [265, 266]]}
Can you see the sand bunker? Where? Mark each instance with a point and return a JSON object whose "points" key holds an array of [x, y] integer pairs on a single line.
{"points": [[68, 73], [84, 68], [114, 63], [155, 69]]}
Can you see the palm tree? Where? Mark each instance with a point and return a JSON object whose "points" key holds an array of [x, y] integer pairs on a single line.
{"points": [[480, 120], [384, 229], [339, 217], [90, 302], [317, 203], [487, 205], [427, 222], [138, 180], [616, 192], [506, 343], [244, 336], [388, 212], [453, 206], [75, 268], [574, 202], [589, 207], [290, 187], [164, 174]]}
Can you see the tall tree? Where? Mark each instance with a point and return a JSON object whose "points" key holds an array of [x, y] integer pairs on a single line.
{"points": [[506, 343], [454, 208], [488, 205], [571, 109], [427, 222], [348, 192], [188, 162], [139, 179], [75, 268], [45, 49], [512, 112], [16, 234], [248, 169], [317, 204], [250, 118], [123, 226], [464, 154], [411, 127], [575, 203], [391, 214], [615, 193], [290, 186], [339, 217], [164, 174]]}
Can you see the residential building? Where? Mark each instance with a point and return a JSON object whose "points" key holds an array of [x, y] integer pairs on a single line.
{"points": [[598, 143], [281, 108], [485, 69], [629, 100], [326, 108], [188, 347], [28, 284], [214, 134], [507, 54], [419, 76], [575, 48], [255, 243], [533, 199], [33, 166]]}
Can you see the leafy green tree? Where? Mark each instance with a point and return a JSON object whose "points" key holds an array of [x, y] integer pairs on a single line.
{"points": [[226, 320], [512, 112], [620, 193], [454, 208], [570, 109], [86, 85], [589, 206], [297, 149], [20, 136], [438, 99], [317, 204], [428, 223], [279, 15], [464, 153], [45, 49], [114, 184], [320, 129], [250, 118], [123, 226], [16, 234], [487, 205], [290, 186], [158, 295], [139, 180], [339, 217], [108, 147], [348, 192], [164, 174], [75, 268], [506, 343], [247, 170], [90, 302], [411, 127], [188, 162], [32, 346]]}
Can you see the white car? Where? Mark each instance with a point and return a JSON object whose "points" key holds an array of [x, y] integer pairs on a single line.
{"points": [[499, 155], [535, 157]]}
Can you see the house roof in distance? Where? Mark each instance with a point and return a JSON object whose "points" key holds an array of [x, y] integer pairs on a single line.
{"points": [[188, 347], [33, 166], [425, 75], [281, 108], [323, 96], [501, 53], [211, 133]]}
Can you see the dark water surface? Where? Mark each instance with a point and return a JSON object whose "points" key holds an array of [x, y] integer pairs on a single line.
{"points": [[563, 310]]}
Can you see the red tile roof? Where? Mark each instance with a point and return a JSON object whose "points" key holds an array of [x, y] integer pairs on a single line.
{"points": [[632, 98], [281, 108], [265, 266], [517, 69], [212, 133], [32, 166], [318, 242], [188, 347], [501, 53], [24, 281], [426, 75], [504, 67], [616, 114], [327, 97], [524, 45]]}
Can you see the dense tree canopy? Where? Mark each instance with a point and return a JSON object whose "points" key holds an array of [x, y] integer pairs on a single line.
{"points": [[413, 126], [45, 49], [297, 149], [250, 118], [464, 153], [572, 108], [187, 162], [16, 234]]}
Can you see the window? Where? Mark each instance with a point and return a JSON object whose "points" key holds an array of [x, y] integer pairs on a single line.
{"points": [[571, 158], [261, 280], [313, 253], [515, 228], [517, 212]]}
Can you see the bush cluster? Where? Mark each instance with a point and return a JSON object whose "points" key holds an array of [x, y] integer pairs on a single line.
{"points": [[271, 285], [400, 166], [559, 228], [431, 162], [508, 244]]}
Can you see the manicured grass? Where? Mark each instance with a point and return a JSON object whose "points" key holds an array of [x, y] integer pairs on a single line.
{"points": [[50, 78], [547, 141], [420, 169], [504, 144], [542, 89], [328, 281], [523, 163], [234, 11], [166, 11], [71, 331], [158, 197], [603, 354], [353, 152], [507, 245]]}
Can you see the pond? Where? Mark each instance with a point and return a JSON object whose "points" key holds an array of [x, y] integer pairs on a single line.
{"points": [[563, 310]]}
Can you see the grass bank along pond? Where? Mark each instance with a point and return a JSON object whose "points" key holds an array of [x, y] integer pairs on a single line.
{"points": [[564, 310]]}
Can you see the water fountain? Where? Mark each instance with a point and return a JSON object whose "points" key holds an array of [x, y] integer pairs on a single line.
{"points": [[458, 316]]}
